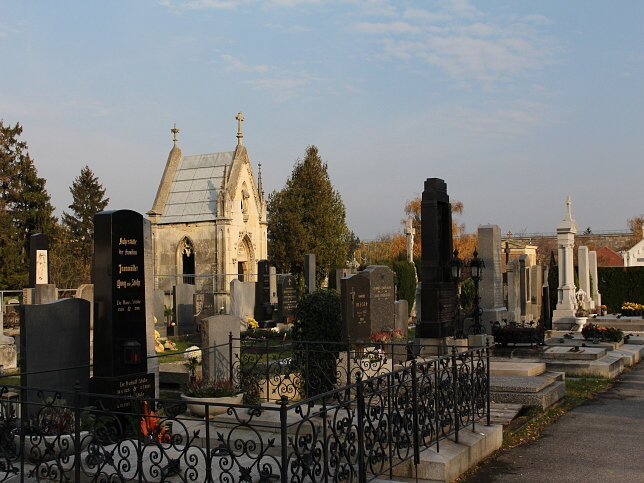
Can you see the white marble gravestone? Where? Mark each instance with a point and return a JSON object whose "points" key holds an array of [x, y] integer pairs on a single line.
{"points": [[566, 303]]}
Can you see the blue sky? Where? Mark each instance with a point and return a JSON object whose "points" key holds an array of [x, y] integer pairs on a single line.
{"points": [[515, 104]]}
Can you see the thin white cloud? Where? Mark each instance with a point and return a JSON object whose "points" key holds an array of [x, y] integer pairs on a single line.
{"points": [[457, 39], [233, 64], [462, 8], [288, 28], [395, 28], [426, 16], [202, 4], [293, 3]]}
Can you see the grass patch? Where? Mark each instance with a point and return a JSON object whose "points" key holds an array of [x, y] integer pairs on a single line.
{"points": [[10, 380], [182, 342]]}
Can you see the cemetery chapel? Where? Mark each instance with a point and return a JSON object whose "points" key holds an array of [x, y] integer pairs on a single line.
{"points": [[208, 217]]}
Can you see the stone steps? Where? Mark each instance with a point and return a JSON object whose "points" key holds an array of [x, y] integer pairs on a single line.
{"points": [[543, 390]]}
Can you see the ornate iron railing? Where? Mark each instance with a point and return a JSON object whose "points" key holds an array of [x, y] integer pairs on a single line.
{"points": [[355, 432]]}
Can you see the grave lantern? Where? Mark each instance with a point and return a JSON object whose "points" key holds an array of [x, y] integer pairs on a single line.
{"points": [[131, 352], [476, 267]]}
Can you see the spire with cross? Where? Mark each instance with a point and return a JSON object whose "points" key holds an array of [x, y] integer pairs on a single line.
{"points": [[240, 119], [175, 131]]}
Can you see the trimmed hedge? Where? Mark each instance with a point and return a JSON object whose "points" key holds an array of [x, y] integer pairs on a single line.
{"points": [[616, 286], [620, 284]]}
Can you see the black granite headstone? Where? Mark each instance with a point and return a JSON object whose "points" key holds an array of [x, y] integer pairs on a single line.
{"points": [[120, 349], [54, 338], [286, 298], [38, 243], [263, 307], [356, 310], [438, 290]]}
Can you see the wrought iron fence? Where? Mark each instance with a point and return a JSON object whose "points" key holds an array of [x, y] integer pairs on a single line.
{"points": [[354, 432]]}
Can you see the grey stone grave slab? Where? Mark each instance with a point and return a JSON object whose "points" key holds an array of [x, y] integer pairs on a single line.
{"points": [[204, 307], [309, 273], [381, 297], [55, 340], [182, 297], [242, 299], [215, 332], [45, 293]]}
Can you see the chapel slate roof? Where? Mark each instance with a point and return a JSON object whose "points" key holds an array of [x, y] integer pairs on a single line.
{"points": [[194, 190]]}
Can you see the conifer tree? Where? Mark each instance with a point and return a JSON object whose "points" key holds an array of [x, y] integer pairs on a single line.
{"points": [[25, 207], [88, 198], [307, 216]]}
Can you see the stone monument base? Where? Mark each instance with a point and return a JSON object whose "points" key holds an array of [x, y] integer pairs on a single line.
{"points": [[573, 324], [480, 340], [494, 315], [436, 346]]}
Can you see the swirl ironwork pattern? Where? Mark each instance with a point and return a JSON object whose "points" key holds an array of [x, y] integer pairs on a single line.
{"points": [[360, 431]]}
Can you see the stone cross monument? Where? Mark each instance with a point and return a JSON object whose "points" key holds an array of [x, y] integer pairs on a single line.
{"points": [[409, 234], [566, 303]]}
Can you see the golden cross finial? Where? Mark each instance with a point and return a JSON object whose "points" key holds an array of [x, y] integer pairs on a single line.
{"points": [[240, 119], [175, 131]]}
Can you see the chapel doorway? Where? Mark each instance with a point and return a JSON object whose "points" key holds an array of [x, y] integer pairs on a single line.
{"points": [[188, 262]]}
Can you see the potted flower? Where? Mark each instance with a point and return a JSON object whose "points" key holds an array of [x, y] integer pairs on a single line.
{"points": [[200, 392], [50, 433], [192, 355]]}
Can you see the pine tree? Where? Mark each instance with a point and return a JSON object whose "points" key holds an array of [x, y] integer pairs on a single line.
{"points": [[307, 216], [25, 207], [88, 198]]}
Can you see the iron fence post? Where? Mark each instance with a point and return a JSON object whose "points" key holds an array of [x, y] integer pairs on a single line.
{"points": [[209, 455], [362, 469], [284, 439], [472, 390], [414, 411], [455, 398], [268, 372], [437, 408], [230, 355], [348, 360], [77, 429], [487, 379]]}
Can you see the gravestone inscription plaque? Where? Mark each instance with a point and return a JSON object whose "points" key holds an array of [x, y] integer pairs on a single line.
{"points": [[356, 310], [120, 348], [286, 298]]}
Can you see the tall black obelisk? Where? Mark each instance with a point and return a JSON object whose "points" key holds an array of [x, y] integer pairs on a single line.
{"points": [[438, 290]]}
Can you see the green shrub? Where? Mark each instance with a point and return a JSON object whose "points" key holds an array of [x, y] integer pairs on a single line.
{"points": [[318, 318], [405, 275]]}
